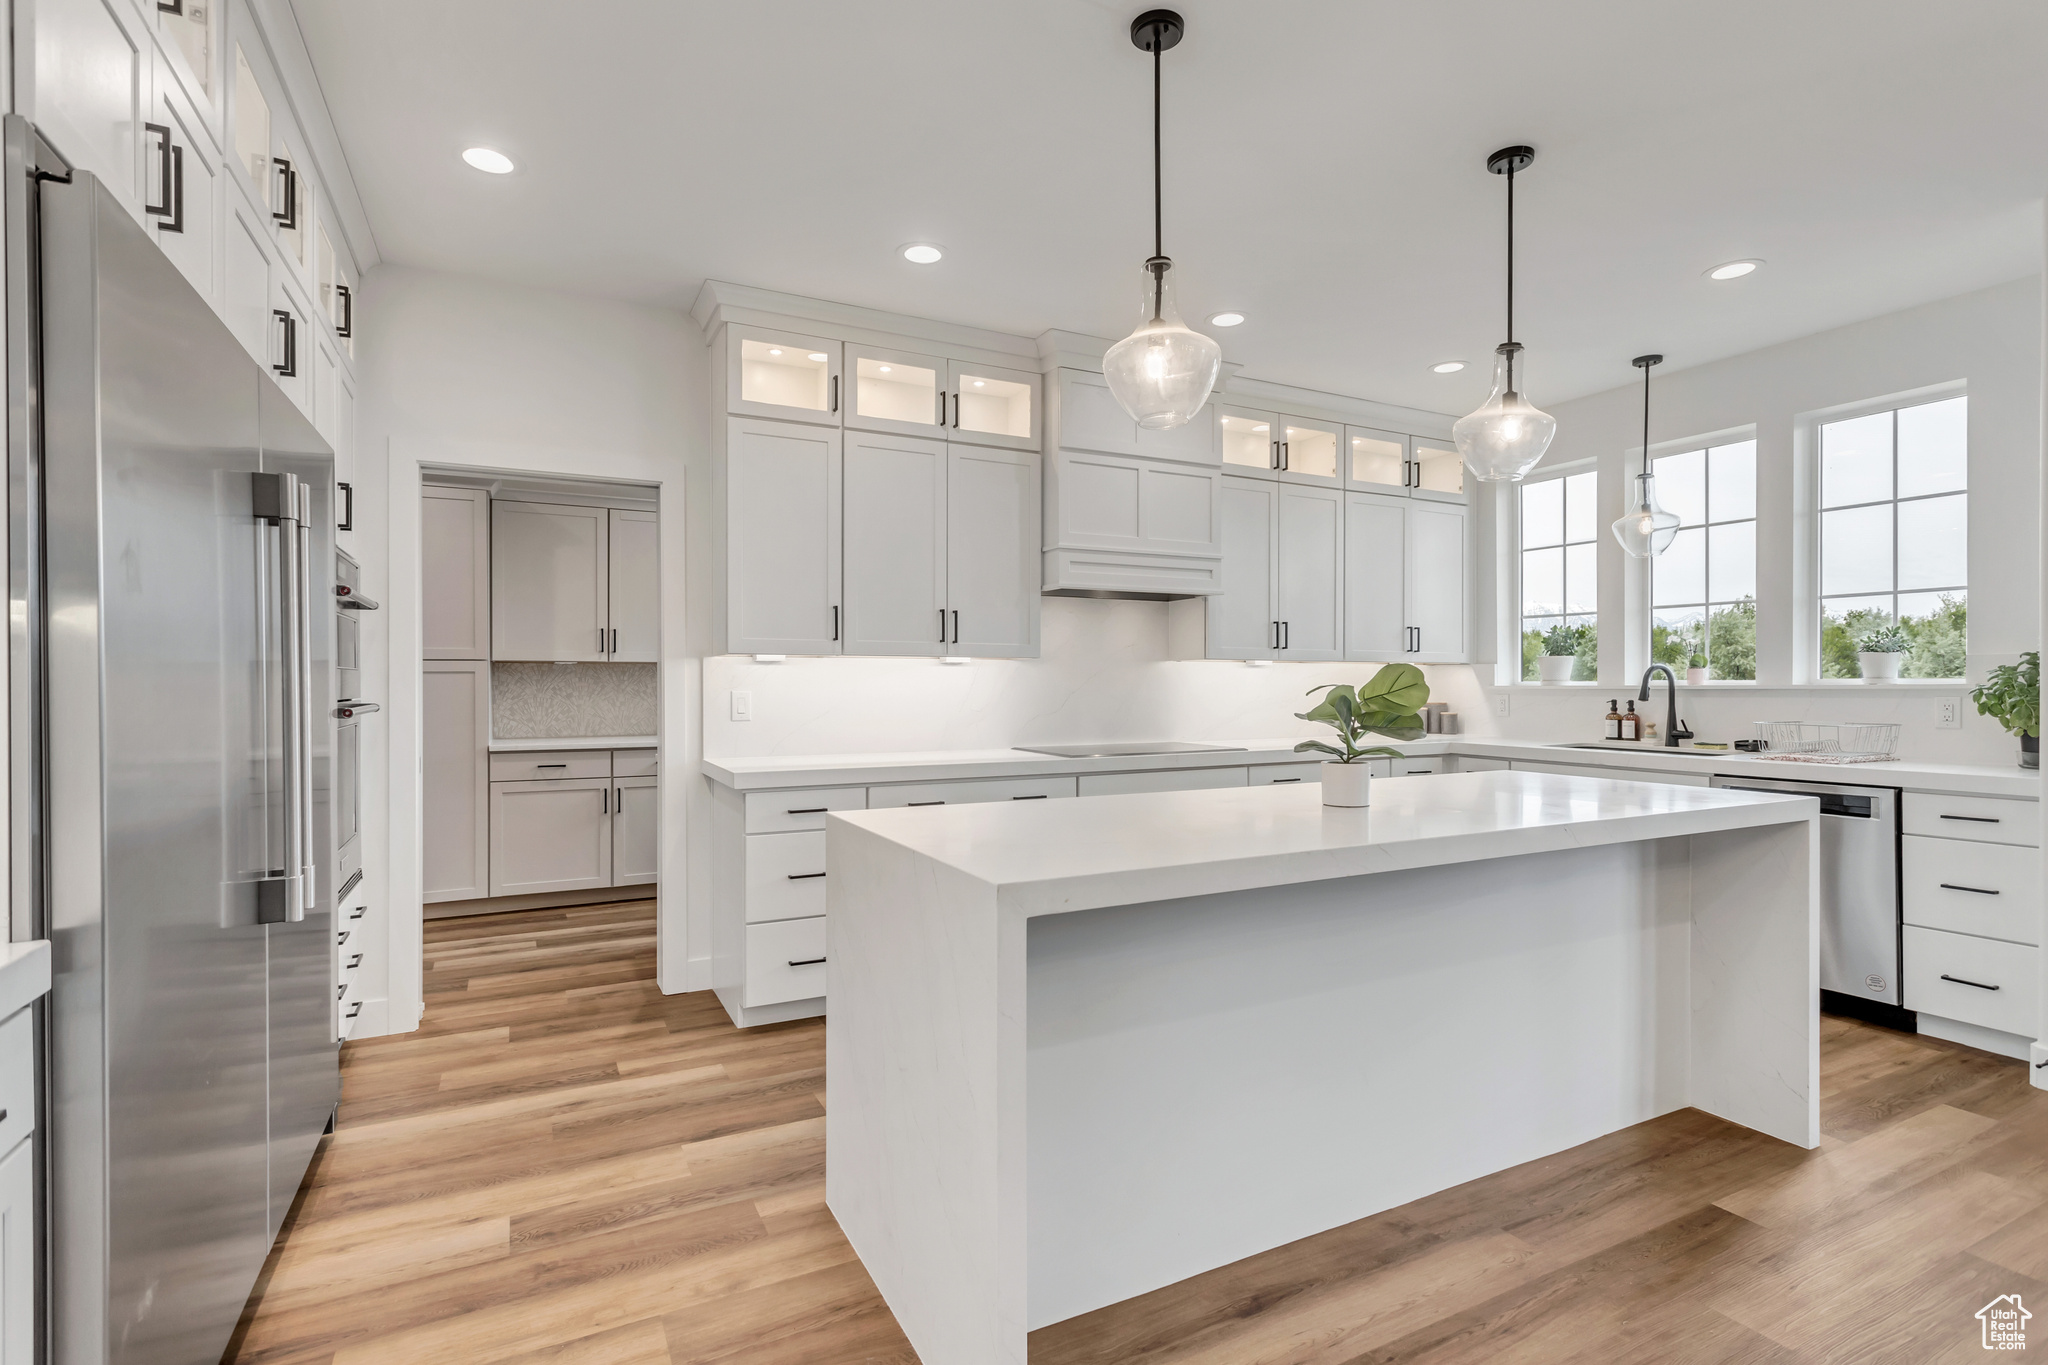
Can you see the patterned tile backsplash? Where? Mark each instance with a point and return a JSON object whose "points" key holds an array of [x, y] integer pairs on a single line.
{"points": [[563, 701]]}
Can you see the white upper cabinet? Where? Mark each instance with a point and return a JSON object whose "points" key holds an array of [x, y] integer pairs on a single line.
{"points": [[992, 546], [782, 526], [633, 586], [1439, 470], [1271, 445], [1092, 419], [1310, 452], [190, 29], [1282, 575], [290, 345], [1243, 619], [1436, 583], [548, 582], [895, 391], [1375, 576], [249, 130], [895, 546], [92, 90], [1310, 538], [1376, 461], [781, 374], [184, 186], [455, 573], [990, 406], [1250, 446]]}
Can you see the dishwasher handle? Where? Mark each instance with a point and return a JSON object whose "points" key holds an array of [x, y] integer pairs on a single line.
{"points": [[1831, 803]]}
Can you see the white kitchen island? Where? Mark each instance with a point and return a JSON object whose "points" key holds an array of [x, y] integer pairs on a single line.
{"points": [[1081, 1049]]}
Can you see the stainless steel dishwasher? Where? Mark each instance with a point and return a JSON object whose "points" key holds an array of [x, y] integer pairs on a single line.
{"points": [[1859, 886]]}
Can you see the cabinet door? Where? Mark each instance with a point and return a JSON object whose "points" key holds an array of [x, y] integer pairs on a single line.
{"points": [[551, 836], [992, 540], [1376, 461], [455, 738], [1375, 576], [1250, 442], [245, 279], [18, 1256], [1311, 452], [895, 391], [548, 577], [895, 529], [1311, 570], [1243, 620], [992, 407], [636, 830], [183, 174], [1438, 470], [455, 573], [291, 342], [1109, 502], [1091, 418], [1162, 780], [92, 85], [782, 504], [1436, 583], [633, 587], [781, 374]]}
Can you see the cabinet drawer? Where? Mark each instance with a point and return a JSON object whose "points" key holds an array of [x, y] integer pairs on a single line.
{"points": [[1992, 890], [774, 812], [785, 875], [553, 763], [1940, 967], [634, 762], [1986, 819], [1275, 774], [1414, 767], [966, 793], [17, 1079], [785, 961], [1169, 780]]}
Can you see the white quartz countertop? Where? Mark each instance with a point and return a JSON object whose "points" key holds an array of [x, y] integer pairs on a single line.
{"points": [[24, 973], [1052, 857], [828, 770], [530, 746]]}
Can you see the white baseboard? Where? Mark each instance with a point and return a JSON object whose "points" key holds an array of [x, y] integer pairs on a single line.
{"points": [[782, 1013], [1976, 1035]]}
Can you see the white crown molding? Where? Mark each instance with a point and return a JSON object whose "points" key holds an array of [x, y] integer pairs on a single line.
{"points": [[719, 302]]}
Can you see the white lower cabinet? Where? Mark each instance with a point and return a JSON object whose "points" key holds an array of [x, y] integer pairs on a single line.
{"points": [[1982, 981], [785, 876], [636, 830], [1168, 780], [1522, 765], [970, 791], [1990, 890], [785, 961], [18, 1255], [1280, 774], [551, 835]]}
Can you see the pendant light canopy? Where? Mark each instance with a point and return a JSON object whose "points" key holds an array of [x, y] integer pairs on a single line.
{"points": [[1162, 373], [1646, 530], [1504, 437]]}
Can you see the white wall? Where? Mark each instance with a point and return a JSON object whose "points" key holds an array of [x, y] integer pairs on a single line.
{"points": [[464, 373]]}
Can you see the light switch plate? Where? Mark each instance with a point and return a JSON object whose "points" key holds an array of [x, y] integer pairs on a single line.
{"points": [[742, 705], [1948, 714]]}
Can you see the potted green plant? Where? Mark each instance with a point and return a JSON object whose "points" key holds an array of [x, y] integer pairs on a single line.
{"points": [[1560, 652], [2011, 695], [1696, 670], [1878, 650], [1388, 703]]}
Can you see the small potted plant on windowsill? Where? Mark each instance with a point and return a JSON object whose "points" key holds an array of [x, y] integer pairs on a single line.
{"points": [[1388, 703], [1695, 670], [2011, 695], [1878, 651], [1560, 652]]}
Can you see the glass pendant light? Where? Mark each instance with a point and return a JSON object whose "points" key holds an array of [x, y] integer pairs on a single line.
{"points": [[1504, 437], [1646, 530], [1162, 373]]}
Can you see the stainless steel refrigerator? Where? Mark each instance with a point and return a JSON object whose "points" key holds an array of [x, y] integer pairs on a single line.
{"points": [[172, 728]]}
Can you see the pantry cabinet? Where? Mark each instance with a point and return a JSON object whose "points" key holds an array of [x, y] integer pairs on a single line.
{"points": [[549, 582], [1404, 580], [455, 573], [633, 586]]}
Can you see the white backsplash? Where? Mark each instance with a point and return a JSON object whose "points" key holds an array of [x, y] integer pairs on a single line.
{"points": [[1105, 675], [564, 701]]}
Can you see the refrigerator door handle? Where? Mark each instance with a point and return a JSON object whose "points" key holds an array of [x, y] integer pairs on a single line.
{"points": [[279, 499]]}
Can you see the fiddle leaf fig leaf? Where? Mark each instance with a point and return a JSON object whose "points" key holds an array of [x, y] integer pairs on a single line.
{"points": [[1396, 687]]}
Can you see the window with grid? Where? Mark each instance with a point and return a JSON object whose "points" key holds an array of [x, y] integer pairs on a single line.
{"points": [[1560, 530], [1894, 522], [1703, 587]]}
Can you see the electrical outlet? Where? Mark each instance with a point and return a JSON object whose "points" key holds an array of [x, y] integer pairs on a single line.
{"points": [[742, 705], [1500, 703], [1949, 714]]}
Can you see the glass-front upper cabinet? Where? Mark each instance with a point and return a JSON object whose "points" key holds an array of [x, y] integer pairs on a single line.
{"points": [[1377, 461], [894, 391], [1438, 469], [989, 406], [781, 374], [249, 128], [1250, 445], [1308, 452], [189, 26]]}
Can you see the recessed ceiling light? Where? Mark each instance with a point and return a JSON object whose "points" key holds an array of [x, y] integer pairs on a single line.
{"points": [[1734, 270], [774, 350], [1225, 319], [885, 369], [978, 383], [922, 253], [484, 159], [1447, 367], [818, 356]]}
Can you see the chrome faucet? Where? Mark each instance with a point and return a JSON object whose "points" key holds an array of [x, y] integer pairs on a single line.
{"points": [[1670, 697]]}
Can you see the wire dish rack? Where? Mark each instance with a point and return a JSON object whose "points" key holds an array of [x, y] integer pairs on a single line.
{"points": [[1796, 741]]}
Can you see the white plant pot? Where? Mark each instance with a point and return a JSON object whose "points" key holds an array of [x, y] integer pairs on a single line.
{"points": [[1695, 676], [1555, 668], [1347, 784], [1879, 667]]}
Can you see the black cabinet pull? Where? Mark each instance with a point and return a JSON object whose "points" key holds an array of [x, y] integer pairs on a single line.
{"points": [[1973, 890], [804, 876], [805, 961], [1282, 781], [604, 800], [942, 625], [1273, 458], [288, 216], [1039, 797], [619, 800], [163, 155], [550, 765], [1965, 981], [347, 521], [807, 810], [835, 620], [289, 366], [177, 223], [1975, 819], [176, 7], [1286, 627], [359, 912], [924, 803], [347, 326], [1283, 457], [956, 627], [356, 961], [835, 393]]}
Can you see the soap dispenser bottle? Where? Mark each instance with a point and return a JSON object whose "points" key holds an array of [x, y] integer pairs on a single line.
{"points": [[1631, 724], [1613, 730]]}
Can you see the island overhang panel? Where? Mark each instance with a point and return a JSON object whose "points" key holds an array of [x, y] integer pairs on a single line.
{"points": [[1083, 1049]]}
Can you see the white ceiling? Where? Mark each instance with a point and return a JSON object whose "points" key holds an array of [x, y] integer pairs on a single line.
{"points": [[1324, 173]]}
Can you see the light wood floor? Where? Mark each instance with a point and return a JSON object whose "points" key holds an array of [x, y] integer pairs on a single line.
{"points": [[565, 1167]]}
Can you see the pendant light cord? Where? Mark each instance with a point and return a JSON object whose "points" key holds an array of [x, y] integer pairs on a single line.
{"points": [[1646, 421], [1158, 219], [1511, 259]]}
